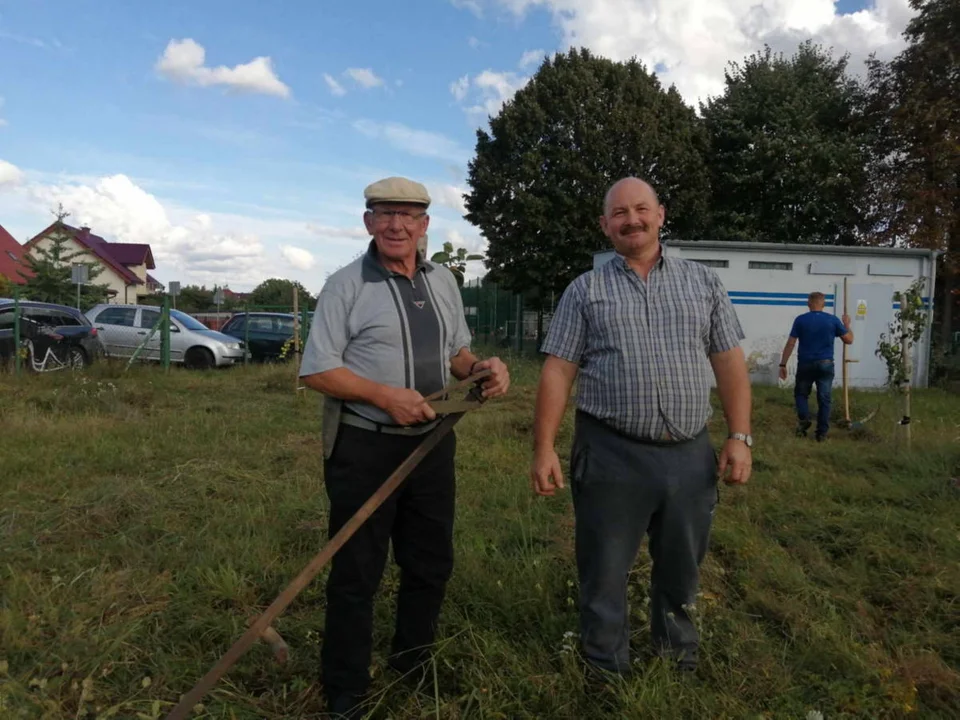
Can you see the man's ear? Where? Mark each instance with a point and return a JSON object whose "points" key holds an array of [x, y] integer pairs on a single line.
{"points": [[603, 224], [368, 221]]}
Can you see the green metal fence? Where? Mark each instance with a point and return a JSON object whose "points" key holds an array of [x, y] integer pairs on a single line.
{"points": [[503, 319]]}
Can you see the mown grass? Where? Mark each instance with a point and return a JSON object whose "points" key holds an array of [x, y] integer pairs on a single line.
{"points": [[144, 518]]}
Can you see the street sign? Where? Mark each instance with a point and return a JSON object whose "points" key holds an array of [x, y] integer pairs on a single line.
{"points": [[174, 288], [218, 297], [80, 274]]}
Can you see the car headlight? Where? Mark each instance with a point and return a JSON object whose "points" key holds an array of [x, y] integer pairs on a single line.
{"points": [[233, 346]]}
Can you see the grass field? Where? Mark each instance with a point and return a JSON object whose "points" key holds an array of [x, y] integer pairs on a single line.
{"points": [[144, 518]]}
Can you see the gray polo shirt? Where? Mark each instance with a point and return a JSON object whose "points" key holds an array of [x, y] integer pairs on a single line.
{"points": [[643, 347], [386, 327]]}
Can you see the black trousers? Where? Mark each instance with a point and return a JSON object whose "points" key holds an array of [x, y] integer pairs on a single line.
{"points": [[418, 518]]}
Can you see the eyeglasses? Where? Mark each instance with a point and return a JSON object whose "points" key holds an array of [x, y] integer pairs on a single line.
{"points": [[383, 216]]}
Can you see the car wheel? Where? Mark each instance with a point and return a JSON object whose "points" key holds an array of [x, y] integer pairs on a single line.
{"points": [[199, 358], [76, 359]]}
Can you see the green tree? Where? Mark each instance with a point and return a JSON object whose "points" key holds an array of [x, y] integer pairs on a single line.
{"points": [[51, 269], [6, 287], [194, 298], [787, 150], [915, 107], [539, 176], [455, 262], [277, 292]]}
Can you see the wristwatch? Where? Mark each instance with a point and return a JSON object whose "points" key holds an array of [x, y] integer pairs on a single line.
{"points": [[748, 439]]}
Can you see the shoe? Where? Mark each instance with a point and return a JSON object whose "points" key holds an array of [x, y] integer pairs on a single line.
{"points": [[802, 427], [821, 438], [412, 671], [346, 706]]}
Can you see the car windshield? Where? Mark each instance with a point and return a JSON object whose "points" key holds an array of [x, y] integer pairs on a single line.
{"points": [[188, 322]]}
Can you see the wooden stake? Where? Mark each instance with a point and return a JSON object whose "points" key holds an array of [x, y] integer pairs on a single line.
{"points": [[296, 340], [846, 388]]}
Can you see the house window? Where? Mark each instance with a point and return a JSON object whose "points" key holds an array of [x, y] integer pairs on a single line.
{"points": [[710, 262], [12, 256], [759, 265]]}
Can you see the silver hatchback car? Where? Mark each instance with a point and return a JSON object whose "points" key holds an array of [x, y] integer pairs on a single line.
{"points": [[124, 328]]}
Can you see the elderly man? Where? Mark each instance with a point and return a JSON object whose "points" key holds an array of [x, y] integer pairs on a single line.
{"points": [[816, 331], [640, 330], [389, 328]]}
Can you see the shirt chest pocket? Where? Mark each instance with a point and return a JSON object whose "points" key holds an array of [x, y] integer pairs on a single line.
{"points": [[685, 312], [612, 324], [380, 328]]}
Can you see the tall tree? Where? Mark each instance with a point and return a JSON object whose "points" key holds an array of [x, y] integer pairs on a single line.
{"points": [[915, 103], [51, 270], [787, 150], [539, 176], [278, 293]]}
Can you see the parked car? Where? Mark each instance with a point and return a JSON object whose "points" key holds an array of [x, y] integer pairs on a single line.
{"points": [[55, 336], [264, 332], [124, 328]]}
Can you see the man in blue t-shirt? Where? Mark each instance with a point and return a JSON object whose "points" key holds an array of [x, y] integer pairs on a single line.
{"points": [[816, 331]]}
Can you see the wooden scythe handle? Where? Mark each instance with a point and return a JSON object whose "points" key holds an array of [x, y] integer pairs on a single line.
{"points": [[261, 626]]}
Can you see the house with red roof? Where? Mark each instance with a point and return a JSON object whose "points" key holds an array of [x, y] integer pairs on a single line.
{"points": [[12, 265], [125, 265]]}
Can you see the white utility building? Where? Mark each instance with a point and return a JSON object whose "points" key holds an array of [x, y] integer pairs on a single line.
{"points": [[769, 283]]}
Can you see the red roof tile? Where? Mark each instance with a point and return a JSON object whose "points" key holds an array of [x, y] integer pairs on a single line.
{"points": [[11, 258], [99, 247]]}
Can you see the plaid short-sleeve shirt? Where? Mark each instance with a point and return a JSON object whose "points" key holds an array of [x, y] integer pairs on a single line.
{"points": [[643, 347]]}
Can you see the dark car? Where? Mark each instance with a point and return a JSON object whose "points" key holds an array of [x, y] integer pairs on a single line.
{"points": [[264, 332], [54, 336]]}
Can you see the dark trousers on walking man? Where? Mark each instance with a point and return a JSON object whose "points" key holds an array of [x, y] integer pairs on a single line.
{"points": [[821, 374]]}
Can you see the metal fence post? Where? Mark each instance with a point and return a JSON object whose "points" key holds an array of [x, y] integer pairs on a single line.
{"points": [[165, 333], [16, 331], [246, 332]]}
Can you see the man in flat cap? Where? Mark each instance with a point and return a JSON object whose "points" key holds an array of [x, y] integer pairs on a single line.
{"points": [[389, 329]]}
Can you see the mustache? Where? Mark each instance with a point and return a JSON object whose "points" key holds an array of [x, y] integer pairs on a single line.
{"points": [[639, 227]]}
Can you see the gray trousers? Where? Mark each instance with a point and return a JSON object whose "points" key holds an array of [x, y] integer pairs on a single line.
{"points": [[622, 489]]}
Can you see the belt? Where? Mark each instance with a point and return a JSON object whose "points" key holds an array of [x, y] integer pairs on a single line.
{"points": [[666, 438], [358, 421]]}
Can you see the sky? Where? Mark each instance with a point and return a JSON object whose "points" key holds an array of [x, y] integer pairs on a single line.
{"points": [[237, 136]]}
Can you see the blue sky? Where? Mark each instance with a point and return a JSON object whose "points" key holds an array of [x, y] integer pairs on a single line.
{"points": [[236, 137]]}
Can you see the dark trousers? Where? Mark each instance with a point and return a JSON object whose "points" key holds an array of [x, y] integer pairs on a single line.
{"points": [[622, 489], [418, 518], [820, 372]]}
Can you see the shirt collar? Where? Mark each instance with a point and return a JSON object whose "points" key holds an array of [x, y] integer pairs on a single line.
{"points": [[659, 264], [372, 270]]}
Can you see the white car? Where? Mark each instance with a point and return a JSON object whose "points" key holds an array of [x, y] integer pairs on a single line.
{"points": [[124, 328]]}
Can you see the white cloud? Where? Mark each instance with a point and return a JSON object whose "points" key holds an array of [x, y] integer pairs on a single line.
{"points": [[364, 77], [10, 174], [471, 5], [692, 41], [448, 196], [297, 257], [531, 57], [189, 245], [335, 87], [473, 42], [329, 232], [183, 61], [459, 88], [416, 142], [490, 91], [2, 121]]}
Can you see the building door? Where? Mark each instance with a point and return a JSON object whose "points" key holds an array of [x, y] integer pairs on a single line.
{"points": [[870, 307]]}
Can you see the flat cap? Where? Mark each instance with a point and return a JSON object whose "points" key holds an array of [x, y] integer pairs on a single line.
{"points": [[396, 190]]}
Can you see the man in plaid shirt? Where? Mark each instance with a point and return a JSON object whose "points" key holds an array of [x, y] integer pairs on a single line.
{"points": [[644, 332]]}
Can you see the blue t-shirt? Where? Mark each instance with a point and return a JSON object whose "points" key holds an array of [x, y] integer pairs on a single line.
{"points": [[816, 331]]}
